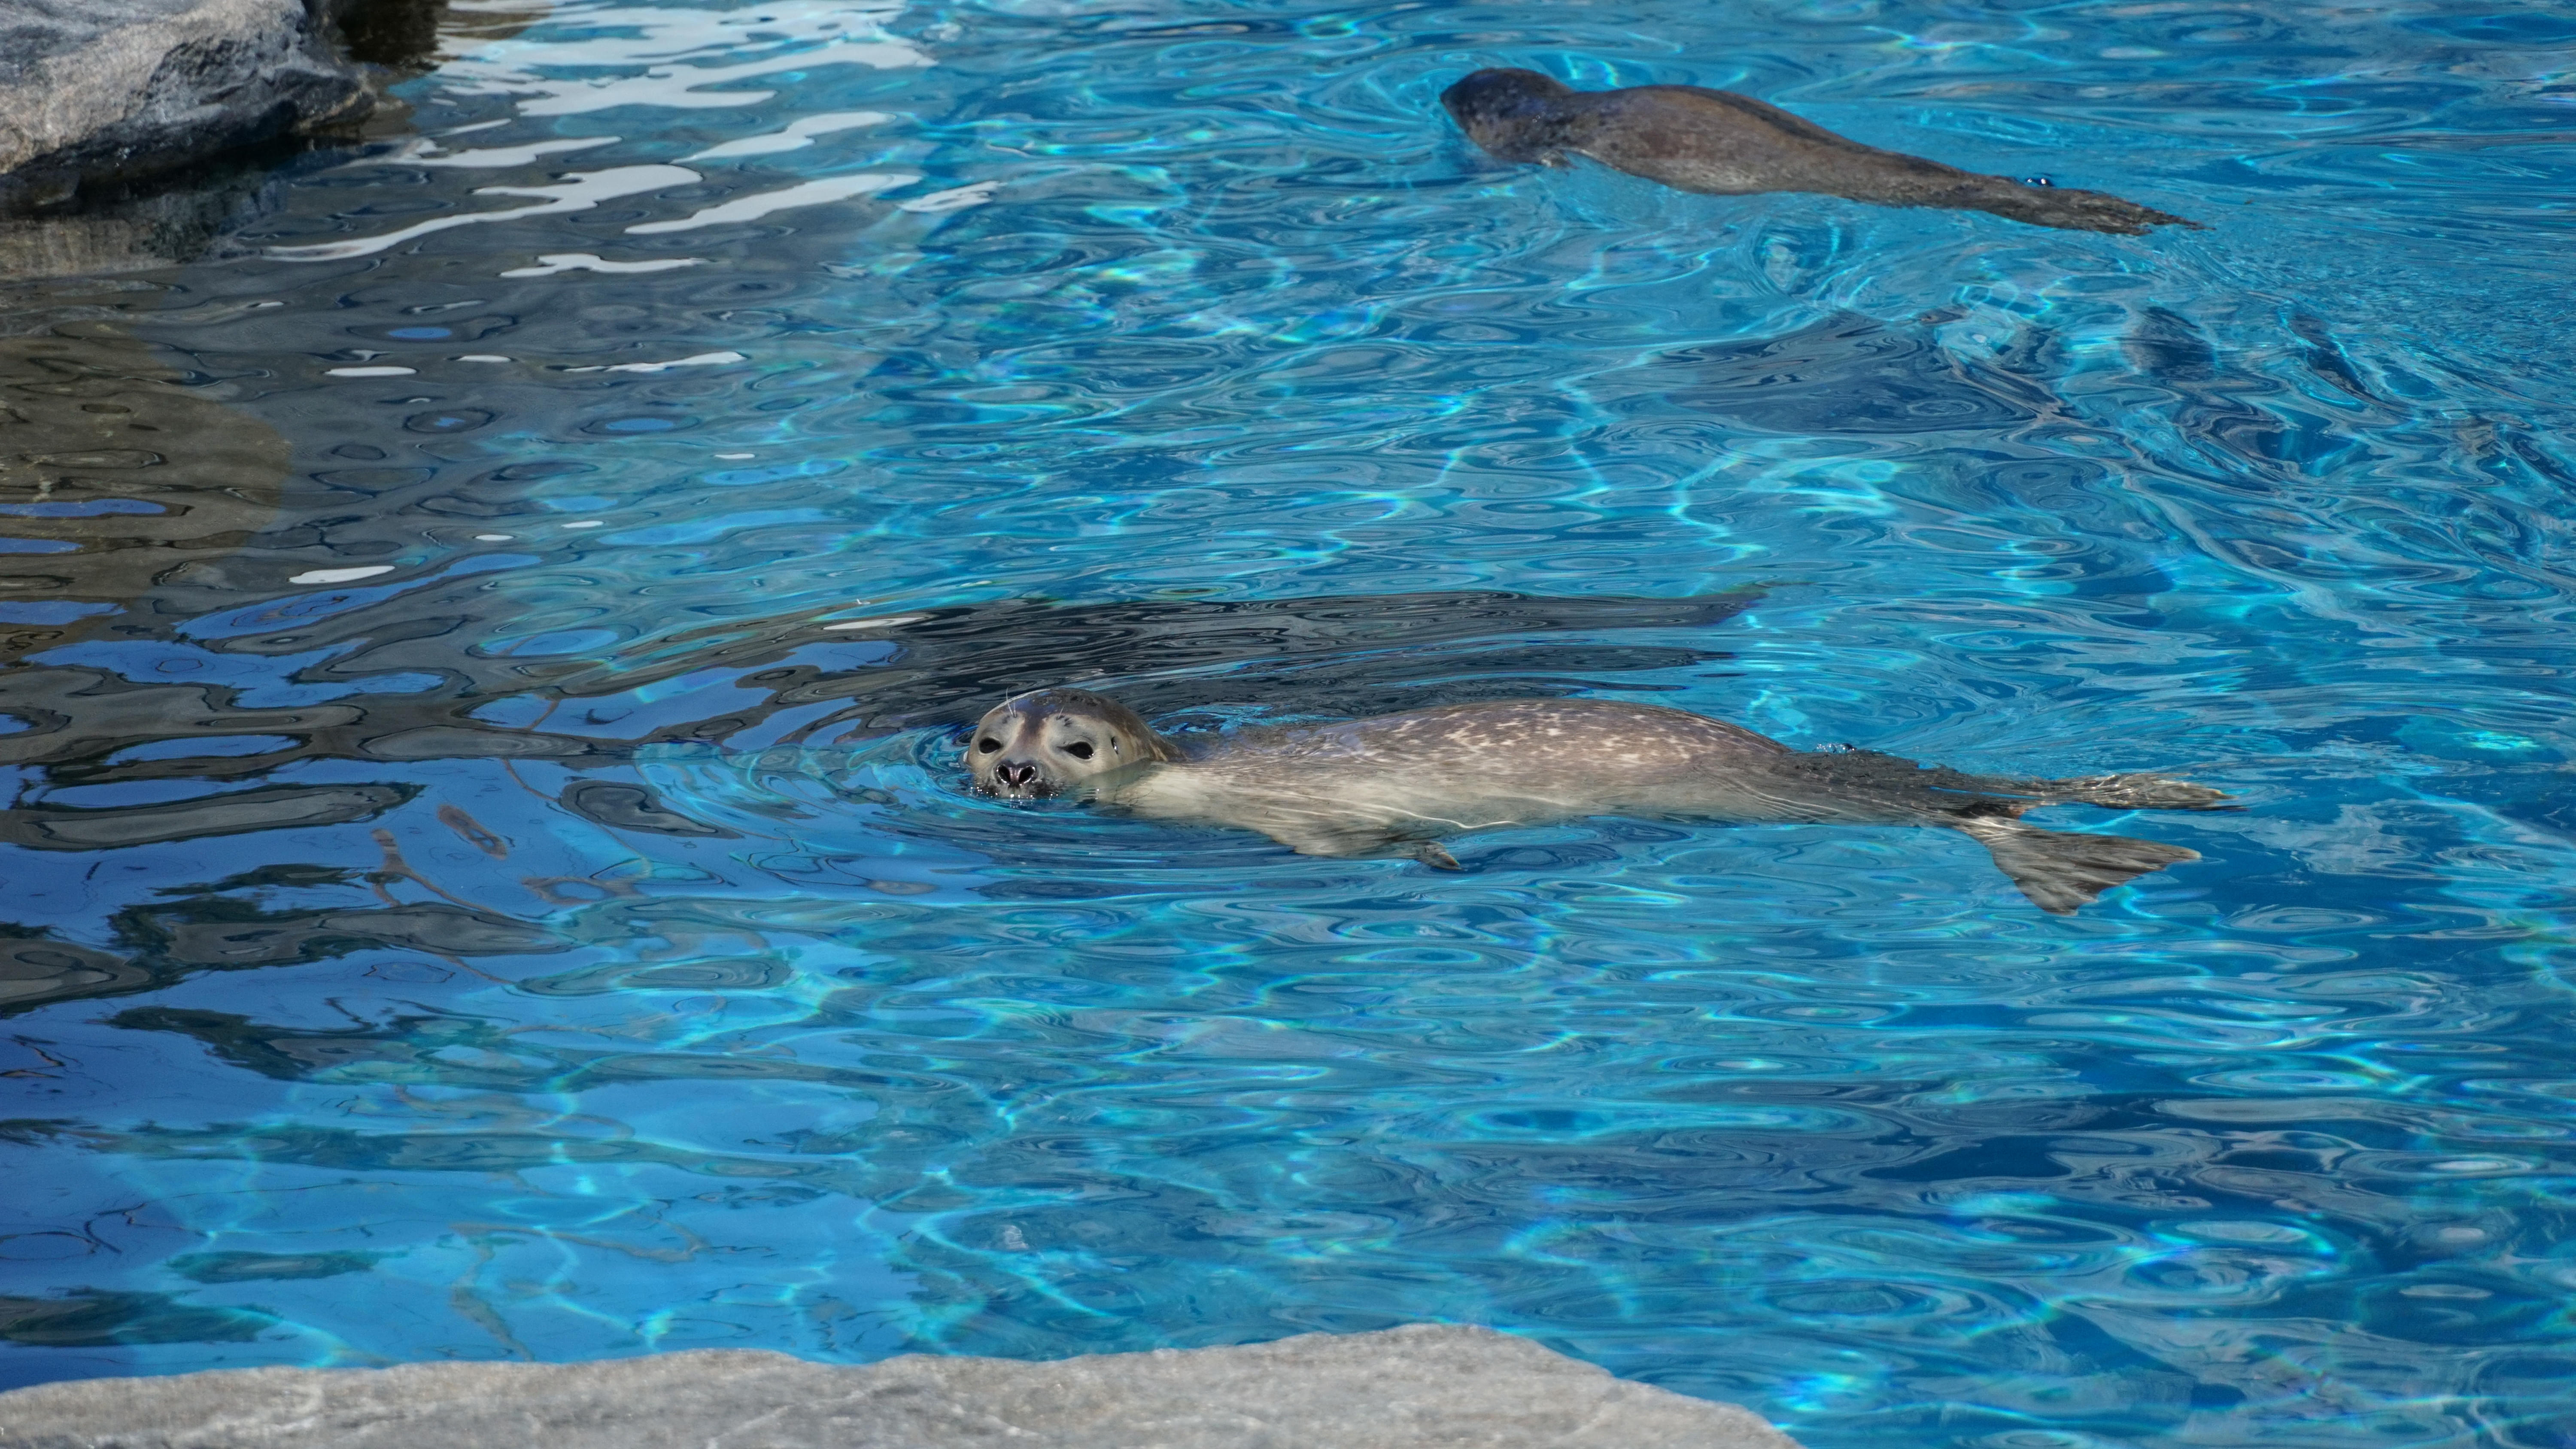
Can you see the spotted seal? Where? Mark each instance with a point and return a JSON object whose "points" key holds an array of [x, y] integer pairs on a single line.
{"points": [[1724, 144], [1397, 784]]}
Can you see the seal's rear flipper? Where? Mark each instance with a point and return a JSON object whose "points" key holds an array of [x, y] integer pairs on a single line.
{"points": [[2068, 209], [1868, 770], [2059, 870]]}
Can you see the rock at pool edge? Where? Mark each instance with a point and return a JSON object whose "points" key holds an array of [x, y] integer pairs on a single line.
{"points": [[116, 90], [1421, 1387]]}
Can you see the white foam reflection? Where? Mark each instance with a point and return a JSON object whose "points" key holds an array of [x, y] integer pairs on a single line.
{"points": [[597, 55], [703, 359], [673, 57], [799, 134], [341, 576], [550, 263], [578, 192], [760, 204], [955, 198], [495, 157]]}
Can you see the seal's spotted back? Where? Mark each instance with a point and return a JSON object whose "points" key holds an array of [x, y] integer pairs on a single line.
{"points": [[1398, 784]]}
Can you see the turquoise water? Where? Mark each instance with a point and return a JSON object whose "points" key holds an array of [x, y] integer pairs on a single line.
{"points": [[569, 938]]}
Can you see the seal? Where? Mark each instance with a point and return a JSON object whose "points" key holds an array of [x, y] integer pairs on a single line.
{"points": [[1723, 144], [1398, 784]]}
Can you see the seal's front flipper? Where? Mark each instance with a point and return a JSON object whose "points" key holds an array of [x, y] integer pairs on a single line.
{"points": [[2060, 870], [1359, 842]]}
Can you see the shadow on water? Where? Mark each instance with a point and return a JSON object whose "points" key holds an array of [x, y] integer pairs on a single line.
{"points": [[2210, 403], [400, 35], [1856, 374], [940, 666], [1298, 656], [116, 480], [90, 725], [100, 1320], [236, 925]]}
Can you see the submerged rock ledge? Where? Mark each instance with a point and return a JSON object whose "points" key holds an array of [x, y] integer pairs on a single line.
{"points": [[1423, 1387]]}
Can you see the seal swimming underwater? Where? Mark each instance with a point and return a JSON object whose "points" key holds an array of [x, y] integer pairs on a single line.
{"points": [[1396, 784], [1723, 144]]}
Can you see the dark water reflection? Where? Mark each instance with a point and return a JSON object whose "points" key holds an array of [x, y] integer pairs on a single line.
{"points": [[941, 666], [1860, 375]]}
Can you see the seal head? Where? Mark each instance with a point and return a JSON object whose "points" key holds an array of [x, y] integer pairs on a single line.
{"points": [[1049, 741], [1516, 115]]}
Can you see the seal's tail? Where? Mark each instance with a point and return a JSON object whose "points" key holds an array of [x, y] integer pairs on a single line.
{"points": [[2135, 792], [2007, 794], [2061, 870], [2069, 209]]}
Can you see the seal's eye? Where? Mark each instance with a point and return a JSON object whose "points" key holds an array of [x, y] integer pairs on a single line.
{"points": [[989, 745], [1078, 750]]}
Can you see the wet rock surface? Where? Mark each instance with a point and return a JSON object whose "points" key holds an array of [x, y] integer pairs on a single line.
{"points": [[1417, 1387], [96, 91], [103, 175]]}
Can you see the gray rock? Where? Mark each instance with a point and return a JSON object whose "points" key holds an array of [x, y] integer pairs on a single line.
{"points": [[115, 90], [1423, 1387]]}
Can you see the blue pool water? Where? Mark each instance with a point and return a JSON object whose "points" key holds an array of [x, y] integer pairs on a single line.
{"points": [[488, 874]]}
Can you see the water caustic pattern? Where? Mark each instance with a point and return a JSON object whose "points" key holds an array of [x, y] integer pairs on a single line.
{"points": [[488, 872]]}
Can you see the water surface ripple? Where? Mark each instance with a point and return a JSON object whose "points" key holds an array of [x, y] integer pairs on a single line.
{"points": [[487, 876]]}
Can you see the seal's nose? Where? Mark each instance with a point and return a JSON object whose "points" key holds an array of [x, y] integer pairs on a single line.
{"points": [[1016, 774]]}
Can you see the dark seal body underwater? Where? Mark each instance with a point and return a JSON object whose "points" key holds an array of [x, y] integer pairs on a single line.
{"points": [[1724, 144], [1397, 784]]}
